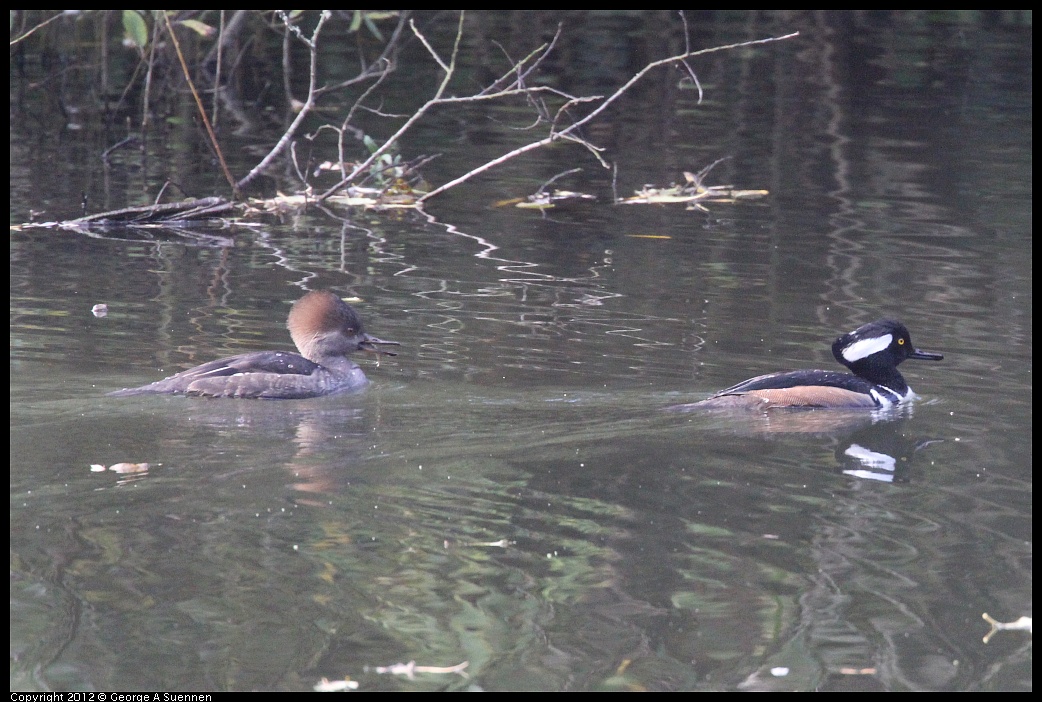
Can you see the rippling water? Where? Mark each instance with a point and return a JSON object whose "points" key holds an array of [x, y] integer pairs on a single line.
{"points": [[508, 492]]}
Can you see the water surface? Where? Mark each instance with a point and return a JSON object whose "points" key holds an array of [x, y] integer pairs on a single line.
{"points": [[507, 492]]}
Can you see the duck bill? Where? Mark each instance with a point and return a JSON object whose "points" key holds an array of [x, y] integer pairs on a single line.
{"points": [[926, 355], [371, 344]]}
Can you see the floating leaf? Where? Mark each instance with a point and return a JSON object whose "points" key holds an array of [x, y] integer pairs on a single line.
{"points": [[129, 468], [326, 685], [543, 200]]}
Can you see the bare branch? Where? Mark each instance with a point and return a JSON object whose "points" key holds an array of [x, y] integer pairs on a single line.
{"points": [[41, 25], [562, 174], [430, 49], [393, 139], [199, 105], [515, 70], [378, 67], [664, 62], [569, 132], [312, 45], [687, 48]]}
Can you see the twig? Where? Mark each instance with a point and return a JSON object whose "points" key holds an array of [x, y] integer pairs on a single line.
{"points": [[568, 132], [118, 145], [287, 68], [560, 175], [449, 69], [341, 155], [384, 61], [217, 76], [39, 26], [542, 52], [312, 45], [199, 105], [146, 95], [687, 48], [410, 669]]}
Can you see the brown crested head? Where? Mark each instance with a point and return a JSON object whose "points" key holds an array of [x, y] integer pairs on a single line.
{"points": [[321, 324]]}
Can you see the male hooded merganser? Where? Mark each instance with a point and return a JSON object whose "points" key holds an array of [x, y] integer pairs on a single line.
{"points": [[872, 352], [325, 329]]}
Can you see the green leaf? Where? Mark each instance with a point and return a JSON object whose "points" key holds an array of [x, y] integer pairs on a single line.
{"points": [[372, 28], [201, 28], [135, 31]]}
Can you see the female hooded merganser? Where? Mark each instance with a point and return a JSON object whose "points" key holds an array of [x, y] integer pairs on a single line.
{"points": [[872, 352], [325, 329]]}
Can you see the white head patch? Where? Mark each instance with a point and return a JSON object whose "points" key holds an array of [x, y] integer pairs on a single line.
{"points": [[866, 347]]}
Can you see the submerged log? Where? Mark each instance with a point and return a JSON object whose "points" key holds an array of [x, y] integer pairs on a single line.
{"points": [[191, 221], [171, 214], [166, 213]]}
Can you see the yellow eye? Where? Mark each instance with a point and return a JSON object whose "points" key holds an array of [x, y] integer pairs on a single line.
{"points": [[900, 342]]}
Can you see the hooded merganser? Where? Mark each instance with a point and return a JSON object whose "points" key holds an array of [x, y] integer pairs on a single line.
{"points": [[325, 330], [872, 352]]}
